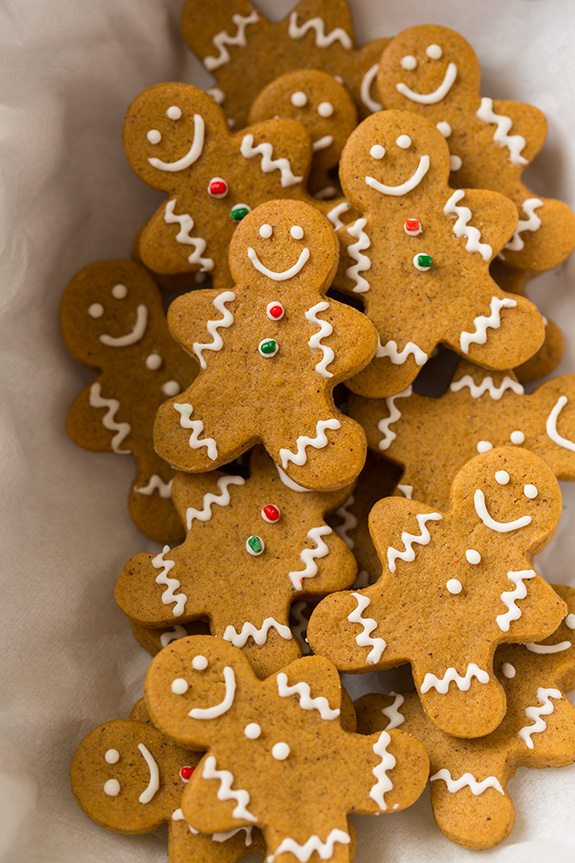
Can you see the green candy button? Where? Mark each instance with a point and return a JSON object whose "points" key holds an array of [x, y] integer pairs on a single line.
{"points": [[254, 545], [239, 211], [423, 262], [268, 347]]}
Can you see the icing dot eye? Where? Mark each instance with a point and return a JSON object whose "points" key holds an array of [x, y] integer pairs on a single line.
{"points": [[455, 163], [180, 686], [434, 52], [297, 232], [173, 112], [171, 388], [96, 310], [408, 62], [252, 731], [530, 490], [217, 188], [517, 437], [454, 586], [325, 109], [298, 99], [255, 545], [199, 662], [275, 311], [484, 446], [404, 141], [570, 621], [280, 751], [266, 231], [119, 292], [112, 756], [153, 362], [186, 773], [271, 513], [508, 670], [112, 787], [153, 136], [377, 151], [472, 556], [502, 477], [444, 128]]}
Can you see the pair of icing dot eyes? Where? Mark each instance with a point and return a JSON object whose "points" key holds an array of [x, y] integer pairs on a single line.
{"points": [[409, 62], [173, 113], [378, 151], [516, 437], [529, 490], [266, 231], [119, 292], [300, 100]]}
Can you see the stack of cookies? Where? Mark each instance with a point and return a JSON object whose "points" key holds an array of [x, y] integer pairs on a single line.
{"points": [[330, 215]]}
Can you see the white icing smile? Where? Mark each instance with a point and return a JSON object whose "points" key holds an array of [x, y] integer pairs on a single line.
{"points": [[190, 157], [133, 336], [403, 188], [151, 789], [488, 521], [322, 143], [224, 705], [436, 95], [282, 275]]}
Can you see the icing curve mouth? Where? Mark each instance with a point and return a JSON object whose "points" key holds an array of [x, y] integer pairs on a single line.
{"points": [[190, 157], [224, 705], [133, 336], [402, 188], [282, 275], [436, 95]]}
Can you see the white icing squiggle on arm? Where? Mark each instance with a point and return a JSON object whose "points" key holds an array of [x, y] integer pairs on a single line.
{"points": [[302, 691], [226, 792], [317, 26], [368, 624], [299, 457], [491, 523], [309, 556], [501, 136], [394, 415], [398, 358], [156, 483], [171, 584], [268, 163], [462, 228], [224, 322], [532, 224], [184, 237], [222, 39], [482, 323], [392, 711], [410, 539], [197, 427], [314, 342], [510, 597], [210, 499], [121, 429]]}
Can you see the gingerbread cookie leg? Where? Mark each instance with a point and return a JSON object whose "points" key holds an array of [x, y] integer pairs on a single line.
{"points": [[150, 500]]}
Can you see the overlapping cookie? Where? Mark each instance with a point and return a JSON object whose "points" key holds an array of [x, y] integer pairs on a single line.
{"points": [[434, 71], [112, 319], [455, 584], [418, 257], [432, 438], [469, 778], [271, 349], [244, 50]]}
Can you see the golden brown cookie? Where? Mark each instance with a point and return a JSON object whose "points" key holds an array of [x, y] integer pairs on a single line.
{"points": [[469, 778], [112, 319], [434, 71], [274, 741], [271, 349], [418, 257], [432, 438], [455, 584]]}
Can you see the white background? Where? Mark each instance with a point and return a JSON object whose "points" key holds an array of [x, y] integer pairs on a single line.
{"points": [[67, 197]]}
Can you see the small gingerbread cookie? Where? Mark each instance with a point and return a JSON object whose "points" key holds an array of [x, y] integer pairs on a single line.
{"points": [[419, 255], [455, 584], [112, 319], [244, 50], [432, 438], [271, 349], [434, 71], [469, 778], [274, 741]]}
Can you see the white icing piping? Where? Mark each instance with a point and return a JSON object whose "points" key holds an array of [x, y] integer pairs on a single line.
{"points": [[532, 224], [317, 26], [260, 636], [171, 584], [268, 163], [309, 555], [197, 427], [355, 251], [436, 95], [349, 522], [150, 791], [314, 342], [278, 275], [121, 429], [334, 214], [184, 237], [545, 649], [398, 358], [173, 635], [484, 322], [216, 710], [462, 228], [156, 483], [491, 523], [225, 791], [406, 490], [410, 539], [222, 39], [322, 143], [314, 844], [384, 425], [487, 386], [501, 136], [467, 780], [392, 711], [210, 499], [403, 188], [302, 691], [223, 837], [133, 336], [368, 624], [509, 598], [384, 784], [299, 457], [365, 89], [224, 322], [289, 483], [534, 713], [551, 425], [441, 684], [190, 157]]}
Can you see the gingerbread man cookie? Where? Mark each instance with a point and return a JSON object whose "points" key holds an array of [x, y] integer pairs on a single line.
{"points": [[278, 549], [432, 438], [271, 349], [244, 51], [434, 71], [324, 107], [455, 584], [112, 319], [469, 778], [274, 741], [418, 257]]}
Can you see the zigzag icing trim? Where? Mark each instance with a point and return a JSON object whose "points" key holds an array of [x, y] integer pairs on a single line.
{"points": [[173, 635], [314, 342], [156, 483], [184, 236], [312, 845], [501, 136], [268, 163], [509, 598], [535, 713], [482, 323], [317, 26], [122, 430], [392, 711], [387, 763], [349, 522], [210, 499], [410, 539], [169, 595], [197, 427], [309, 555], [441, 684], [334, 214], [226, 780], [224, 322], [222, 39], [462, 228], [302, 692], [398, 358], [467, 780], [486, 385], [532, 223], [368, 624], [260, 636], [355, 251], [384, 425], [299, 457]]}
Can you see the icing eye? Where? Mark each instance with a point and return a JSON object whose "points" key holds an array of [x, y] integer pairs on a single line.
{"points": [[570, 621], [153, 136], [454, 586], [377, 151], [112, 787], [112, 756], [472, 556], [508, 670], [325, 109], [266, 231], [199, 662], [119, 292], [280, 751], [531, 491], [455, 163], [218, 188], [96, 310], [252, 731], [255, 545], [484, 446], [404, 141], [444, 128], [171, 388], [502, 477], [517, 437], [271, 513], [180, 686], [153, 362], [434, 52], [297, 232], [408, 62], [298, 99], [173, 112]]}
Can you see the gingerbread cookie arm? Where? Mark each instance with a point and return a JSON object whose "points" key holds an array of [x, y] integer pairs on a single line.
{"points": [[483, 221], [527, 121], [150, 500], [545, 728], [332, 325], [216, 37], [209, 807], [95, 421], [199, 321], [280, 148], [176, 240], [323, 564]]}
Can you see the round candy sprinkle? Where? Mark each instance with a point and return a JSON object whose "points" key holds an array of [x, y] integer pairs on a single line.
{"points": [[255, 545], [217, 188], [412, 227], [239, 212], [271, 513], [275, 311], [268, 347]]}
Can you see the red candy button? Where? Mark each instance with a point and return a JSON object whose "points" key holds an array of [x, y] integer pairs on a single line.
{"points": [[186, 773], [275, 311], [271, 513], [412, 227], [217, 188]]}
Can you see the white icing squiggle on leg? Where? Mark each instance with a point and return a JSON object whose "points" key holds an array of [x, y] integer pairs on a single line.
{"points": [[534, 713], [169, 595], [317, 27], [312, 845], [368, 624], [394, 415], [487, 386], [410, 539], [197, 427], [222, 39], [392, 711], [356, 252], [467, 780], [259, 635], [532, 223], [463, 683], [398, 358], [387, 763]]}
